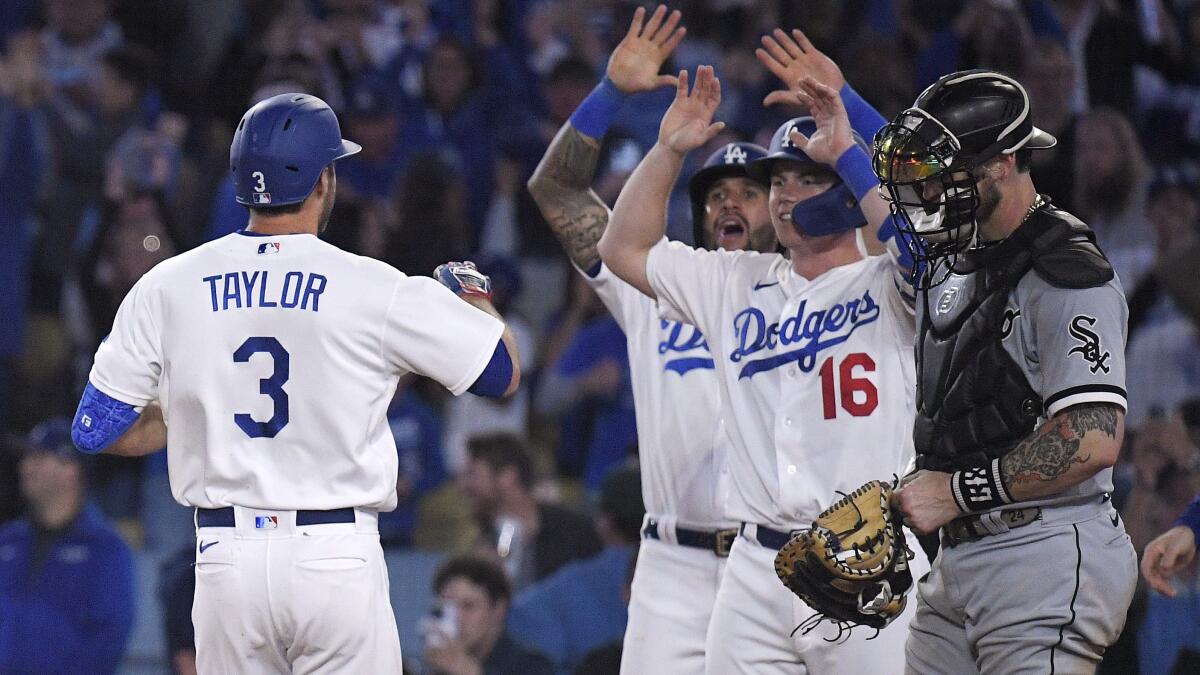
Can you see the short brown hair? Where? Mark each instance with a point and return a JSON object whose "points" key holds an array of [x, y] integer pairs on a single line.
{"points": [[502, 451]]}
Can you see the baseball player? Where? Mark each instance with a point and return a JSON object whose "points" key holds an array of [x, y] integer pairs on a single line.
{"points": [[812, 355], [1020, 398], [686, 536], [266, 361]]}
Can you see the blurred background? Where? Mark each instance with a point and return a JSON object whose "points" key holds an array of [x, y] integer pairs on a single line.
{"points": [[115, 123]]}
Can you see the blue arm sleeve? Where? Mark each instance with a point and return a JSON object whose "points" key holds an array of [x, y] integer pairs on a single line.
{"points": [[496, 376], [864, 119], [1191, 518], [100, 420], [854, 166]]}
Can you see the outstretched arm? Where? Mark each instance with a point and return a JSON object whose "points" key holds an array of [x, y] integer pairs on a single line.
{"points": [[639, 219], [792, 57], [561, 185]]}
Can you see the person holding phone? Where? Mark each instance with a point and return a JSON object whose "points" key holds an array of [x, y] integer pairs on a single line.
{"points": [[465, 634]]}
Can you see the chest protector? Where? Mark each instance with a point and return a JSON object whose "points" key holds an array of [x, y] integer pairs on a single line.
{"points": [[974, 403]]}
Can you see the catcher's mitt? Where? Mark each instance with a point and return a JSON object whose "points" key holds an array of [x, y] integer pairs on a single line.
{"points": [[851, 566]]}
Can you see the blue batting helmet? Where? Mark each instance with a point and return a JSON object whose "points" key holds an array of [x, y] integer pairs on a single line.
{"points": [[731, 159], [281, 147], [833, 211]]}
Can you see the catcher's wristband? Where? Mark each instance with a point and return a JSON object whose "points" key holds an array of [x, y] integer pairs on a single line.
{"points": [[979, 488]]}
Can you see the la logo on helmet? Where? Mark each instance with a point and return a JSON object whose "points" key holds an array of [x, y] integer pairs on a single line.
{"points": [[734, 154]]}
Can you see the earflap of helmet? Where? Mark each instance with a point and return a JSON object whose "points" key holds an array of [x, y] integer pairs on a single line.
{"points": [[831, 212]]}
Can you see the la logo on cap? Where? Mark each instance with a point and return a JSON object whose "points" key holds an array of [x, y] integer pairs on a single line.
{"points": [[734, 154]]}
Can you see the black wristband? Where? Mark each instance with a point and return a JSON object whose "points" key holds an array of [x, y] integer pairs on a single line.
{"points": [[979, 488]]}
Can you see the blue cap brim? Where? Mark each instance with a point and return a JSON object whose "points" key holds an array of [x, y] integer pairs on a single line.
{"points": [[348, 148]]}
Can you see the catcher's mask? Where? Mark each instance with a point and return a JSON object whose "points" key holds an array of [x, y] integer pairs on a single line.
{"points": [[928, 158]]}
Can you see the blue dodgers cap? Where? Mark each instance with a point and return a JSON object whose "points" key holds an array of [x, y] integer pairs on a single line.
{"points": [[53, 436], [280, 148]]}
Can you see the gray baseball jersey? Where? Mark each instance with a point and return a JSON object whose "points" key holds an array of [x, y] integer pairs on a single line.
{"points": [[1069, 343]]}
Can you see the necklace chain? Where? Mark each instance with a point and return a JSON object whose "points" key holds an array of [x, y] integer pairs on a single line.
{"points": [[1038, 202]]}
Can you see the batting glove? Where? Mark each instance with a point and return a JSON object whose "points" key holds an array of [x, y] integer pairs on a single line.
{"points": [[464, 279]]}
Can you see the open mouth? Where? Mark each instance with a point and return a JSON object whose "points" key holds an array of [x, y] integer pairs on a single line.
{"points": [[730, 227]]}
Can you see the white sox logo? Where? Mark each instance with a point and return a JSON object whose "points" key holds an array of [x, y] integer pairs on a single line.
{"points": [[734, 154], [1089, 348]]}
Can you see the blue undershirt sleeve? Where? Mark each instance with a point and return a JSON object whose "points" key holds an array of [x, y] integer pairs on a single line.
{"points": [[496, 375]]}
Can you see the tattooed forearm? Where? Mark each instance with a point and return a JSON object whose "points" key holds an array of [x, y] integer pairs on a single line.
{"points": [[1057, 447], [561, 188]]}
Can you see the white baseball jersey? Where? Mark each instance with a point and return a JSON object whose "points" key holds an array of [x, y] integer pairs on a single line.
{"points": [[274, 359], [817, 377], [676, 404]]}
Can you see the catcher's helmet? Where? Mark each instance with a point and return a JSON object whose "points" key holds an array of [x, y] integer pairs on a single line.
{"points": [[731, 159], [957, 124], [833, 211], [280, 148]]}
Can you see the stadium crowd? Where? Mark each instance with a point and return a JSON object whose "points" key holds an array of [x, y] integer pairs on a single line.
{"points": [[115, 123]]}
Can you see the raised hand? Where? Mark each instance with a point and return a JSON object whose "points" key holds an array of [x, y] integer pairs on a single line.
{"points": [[688, 123], [633, 65], [791, 58], [833, 135]]}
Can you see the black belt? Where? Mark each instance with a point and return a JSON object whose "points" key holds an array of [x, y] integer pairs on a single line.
{"points": [[717, 541], [972, 528], [772, 539], [224, 517]]}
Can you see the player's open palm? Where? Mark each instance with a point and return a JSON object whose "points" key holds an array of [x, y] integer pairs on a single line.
{"points": [[833, 135], [688, 123], [634, 64], [791, 58]]}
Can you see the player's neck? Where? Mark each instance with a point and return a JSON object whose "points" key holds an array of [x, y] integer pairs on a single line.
{"points": [[1010, 213], [811, 261], [280, 225]]}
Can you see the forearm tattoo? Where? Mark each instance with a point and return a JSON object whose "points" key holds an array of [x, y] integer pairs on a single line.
{"points": [[561, 186], [1054, 447]]}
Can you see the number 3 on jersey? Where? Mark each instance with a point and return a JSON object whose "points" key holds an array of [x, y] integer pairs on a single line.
{"points": [[849, 386], [270, 386]]}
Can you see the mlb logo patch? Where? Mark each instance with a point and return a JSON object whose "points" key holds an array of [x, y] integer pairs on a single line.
{"points": [[266, 522], [261, 198], [269, 248]]}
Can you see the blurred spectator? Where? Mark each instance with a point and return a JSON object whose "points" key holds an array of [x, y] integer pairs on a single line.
{"points": [[582, 607], [470, 416], [66, 579], [431, 224], [373, 121], [24, 164], [471, 638], [588, 387], [531, 539], [1111, 178], [81, 146], [456, 113], [417, 429], [77, 34], [1048, 77], [1164, 343], [176, 592], [1106, 42]]}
